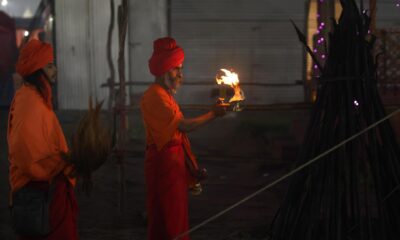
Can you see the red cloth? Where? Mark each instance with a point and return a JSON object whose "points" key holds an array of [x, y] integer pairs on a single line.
{"points": [[8, 53], [166, 55], [7, 24], [167, 197], [63, 212], [34, 56]]}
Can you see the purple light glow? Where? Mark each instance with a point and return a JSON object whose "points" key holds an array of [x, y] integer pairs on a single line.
{"points": [[323, 56], [398, 5], [356, 103], [315, 50], [315, 67]]}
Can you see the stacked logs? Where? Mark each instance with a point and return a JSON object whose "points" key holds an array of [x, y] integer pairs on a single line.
{"points": [[352, 193]]}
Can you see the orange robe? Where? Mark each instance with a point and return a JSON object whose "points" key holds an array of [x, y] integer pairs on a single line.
{"points": [[166, 172], [35, 141]]}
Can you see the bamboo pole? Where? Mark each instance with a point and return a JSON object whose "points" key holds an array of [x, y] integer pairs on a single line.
{"points": [[121, 106], [373, 9], [111, 79]]}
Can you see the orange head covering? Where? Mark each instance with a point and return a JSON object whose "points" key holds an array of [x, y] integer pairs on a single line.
{"points": [[34, 56], [166, 55]]}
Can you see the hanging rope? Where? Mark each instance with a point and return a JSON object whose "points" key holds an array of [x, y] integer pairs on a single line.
{"points": [[301, 167]]}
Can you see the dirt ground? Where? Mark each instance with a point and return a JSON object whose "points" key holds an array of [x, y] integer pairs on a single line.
{"points": [[242, 152]]}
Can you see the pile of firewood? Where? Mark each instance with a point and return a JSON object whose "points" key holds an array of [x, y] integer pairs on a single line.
{"points": [[353, 192]]}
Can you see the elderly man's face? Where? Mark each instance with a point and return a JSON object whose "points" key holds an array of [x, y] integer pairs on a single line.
{"points": [[174, 78]]}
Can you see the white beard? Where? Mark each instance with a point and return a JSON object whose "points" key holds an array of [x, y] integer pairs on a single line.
{"points": [[167, 82]]}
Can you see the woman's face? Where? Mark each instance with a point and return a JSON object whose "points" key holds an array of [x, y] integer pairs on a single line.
{"points": [[51, 72]]}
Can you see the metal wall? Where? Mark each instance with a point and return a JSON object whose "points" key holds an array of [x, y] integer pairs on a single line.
{"points": [[147, 22], [81, 28], [387, 15], [254, 37]]}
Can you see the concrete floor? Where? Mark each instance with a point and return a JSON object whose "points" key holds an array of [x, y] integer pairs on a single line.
{"points": [[242, 153]]}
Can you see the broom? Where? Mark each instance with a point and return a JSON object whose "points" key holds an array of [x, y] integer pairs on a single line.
{"points": [[90, 146]]}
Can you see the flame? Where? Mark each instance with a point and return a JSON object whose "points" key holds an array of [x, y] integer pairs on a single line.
{"points": [[230, 78], [238, 96]]}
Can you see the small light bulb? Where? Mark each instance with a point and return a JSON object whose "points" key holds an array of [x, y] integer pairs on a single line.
{"points": [[4, 3], [26, 33]]}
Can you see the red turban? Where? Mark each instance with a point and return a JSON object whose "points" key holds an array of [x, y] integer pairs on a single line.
{"points": [[166, 55], [34, 56]]}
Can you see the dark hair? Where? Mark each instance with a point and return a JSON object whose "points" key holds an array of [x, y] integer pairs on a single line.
{"points": [[34, 79]]}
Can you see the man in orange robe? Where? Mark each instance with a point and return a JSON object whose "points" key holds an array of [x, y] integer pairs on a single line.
{"points": [[36, 141], [170, 166]]}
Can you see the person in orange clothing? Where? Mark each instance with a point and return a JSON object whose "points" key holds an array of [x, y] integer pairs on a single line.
{"points": [[36, 142], [170, 166]]}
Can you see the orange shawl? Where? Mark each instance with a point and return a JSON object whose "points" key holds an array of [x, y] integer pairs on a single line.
{"points": [[35, 140]]}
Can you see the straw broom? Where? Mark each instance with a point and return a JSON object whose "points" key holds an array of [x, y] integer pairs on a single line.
{"points": [[90, 146]]}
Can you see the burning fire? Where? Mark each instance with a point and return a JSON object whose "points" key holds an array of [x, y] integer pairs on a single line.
{"points": [[231, 79]]}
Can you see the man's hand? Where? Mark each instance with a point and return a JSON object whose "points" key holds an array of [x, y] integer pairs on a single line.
{"points": [[191, 124], [219, 109]]}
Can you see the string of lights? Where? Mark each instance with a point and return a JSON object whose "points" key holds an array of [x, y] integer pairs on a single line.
{"points": [[319, 37]]}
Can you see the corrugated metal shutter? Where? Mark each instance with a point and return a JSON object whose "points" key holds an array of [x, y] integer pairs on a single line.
{"points": [[255, 37], [387, 15], [81, 51]]}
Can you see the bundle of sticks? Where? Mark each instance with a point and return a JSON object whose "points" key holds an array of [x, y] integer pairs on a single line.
{"points": [[353, 192], [90, 146]]}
